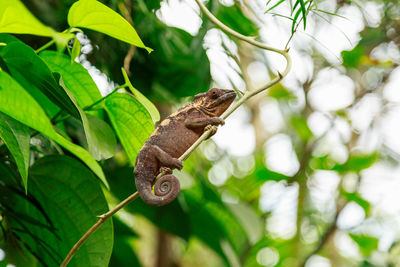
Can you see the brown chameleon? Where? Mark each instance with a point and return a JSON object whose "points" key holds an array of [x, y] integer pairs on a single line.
{"points": [[172, 137]]}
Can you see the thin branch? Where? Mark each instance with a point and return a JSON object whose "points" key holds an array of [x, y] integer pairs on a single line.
{"points": [[247, 95], [92, 229], [228, 30], [126, 11]]}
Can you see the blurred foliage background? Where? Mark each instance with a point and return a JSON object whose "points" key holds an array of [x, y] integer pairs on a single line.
{"points": [[304, 175]]}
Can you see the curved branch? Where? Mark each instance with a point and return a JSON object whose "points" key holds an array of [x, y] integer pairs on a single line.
{"points": [[95, 226], [247, 95]]}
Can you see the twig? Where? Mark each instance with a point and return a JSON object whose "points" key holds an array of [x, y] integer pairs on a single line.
{"points": [[206, 134], [92, 229], [126, 11]]}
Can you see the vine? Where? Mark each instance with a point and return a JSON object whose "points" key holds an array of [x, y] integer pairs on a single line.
{"points": [[246, 96]]}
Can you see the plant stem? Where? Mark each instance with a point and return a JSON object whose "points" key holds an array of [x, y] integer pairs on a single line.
{"points": [[247, 95], [105, 97], [92, 229], [45, 46], [90, 107]]}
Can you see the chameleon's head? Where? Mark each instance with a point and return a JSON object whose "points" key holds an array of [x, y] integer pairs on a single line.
{"points": [[215, 101]]}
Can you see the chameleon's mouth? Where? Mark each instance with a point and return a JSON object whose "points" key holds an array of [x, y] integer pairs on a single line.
{"points": [[228, 96]]}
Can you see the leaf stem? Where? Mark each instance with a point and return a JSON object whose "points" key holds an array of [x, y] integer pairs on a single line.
{"points": [[90, 107], [105, 97], [247, 95], [45, 46]]}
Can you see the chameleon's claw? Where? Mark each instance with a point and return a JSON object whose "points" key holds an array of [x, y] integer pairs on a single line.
{"points": [[212, 128], [177, 164]]}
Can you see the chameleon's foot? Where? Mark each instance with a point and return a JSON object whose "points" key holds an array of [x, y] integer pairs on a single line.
{"points": [[165, 170], [176, 163], [217, 121], [212, 128]]}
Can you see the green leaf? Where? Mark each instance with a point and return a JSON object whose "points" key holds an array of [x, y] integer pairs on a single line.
{"points": [[131, 122], [151, 108], [16, 18], [16, 137], [94, 15], [101, 137], [123, 250], [235, 19], [296, 16], [33, 74], [7, 38], [249, 219], [323, 163], [331, 14], [76, 78], [303, 11], [71, 199], [300, 125], [277, 4], [358, 162], [280, 92], [366, 243], [18, 104], [352, 58], [357, 198], [76, 50], [371, 37]]}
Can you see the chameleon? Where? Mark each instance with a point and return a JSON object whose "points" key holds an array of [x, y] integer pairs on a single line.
{"points": [[171, 138]]}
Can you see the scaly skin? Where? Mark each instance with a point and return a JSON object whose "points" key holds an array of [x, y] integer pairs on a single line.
{"points": [[172, 137]]}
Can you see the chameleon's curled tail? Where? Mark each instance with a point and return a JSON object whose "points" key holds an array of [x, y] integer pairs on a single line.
{"points": [[166, 189]]}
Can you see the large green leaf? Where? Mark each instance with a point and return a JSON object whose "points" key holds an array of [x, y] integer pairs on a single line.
{"points": [[76, 78], [99, 135], [34, 75], [249, 219], [101, 138], [123, 252], [94, 15], [130, 120], [16, 18], [69, 199], [10, 189], [151, 108], [18, 104], [16, 136]]}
